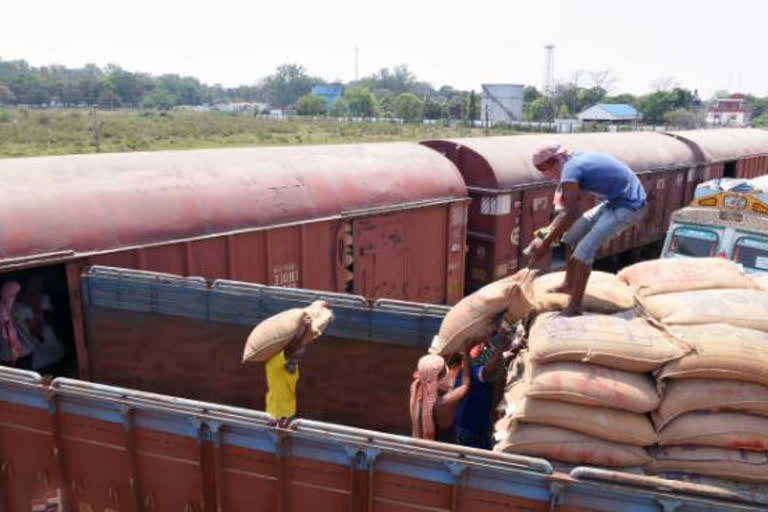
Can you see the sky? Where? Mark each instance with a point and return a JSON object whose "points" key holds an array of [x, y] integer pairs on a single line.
{"points": [[708, 47]]}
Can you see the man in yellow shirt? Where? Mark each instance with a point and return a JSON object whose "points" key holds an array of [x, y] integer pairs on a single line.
{"points": [[283, 373]]}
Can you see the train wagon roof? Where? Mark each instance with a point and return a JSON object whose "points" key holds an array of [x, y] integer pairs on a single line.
{"points": [[505, 162], [88, 203], [724, 144]]}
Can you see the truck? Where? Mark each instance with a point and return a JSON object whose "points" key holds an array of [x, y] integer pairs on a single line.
{"points": [[171, 419], [728, 217]]}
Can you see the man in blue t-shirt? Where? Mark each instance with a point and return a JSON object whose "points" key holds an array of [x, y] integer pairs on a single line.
{"points": [[472, 421], [623, 203]]}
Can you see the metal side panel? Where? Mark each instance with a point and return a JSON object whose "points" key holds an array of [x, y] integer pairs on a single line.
{"points": [[387, 321], [28, 467]]}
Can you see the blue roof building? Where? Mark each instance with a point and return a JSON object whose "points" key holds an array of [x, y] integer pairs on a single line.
{"points": [[610, 112], [330, 93]]}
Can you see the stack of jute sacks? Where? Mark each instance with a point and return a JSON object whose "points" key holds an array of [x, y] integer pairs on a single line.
{"points": [[583, 391], [713, 415]]}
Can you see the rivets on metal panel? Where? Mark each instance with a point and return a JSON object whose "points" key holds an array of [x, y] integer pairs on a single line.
{"points": [[149, 502], [361, 458], [114, 495]]}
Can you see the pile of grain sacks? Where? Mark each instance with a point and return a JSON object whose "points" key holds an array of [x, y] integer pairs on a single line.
{"points": [[713, 416], [635, 382]]}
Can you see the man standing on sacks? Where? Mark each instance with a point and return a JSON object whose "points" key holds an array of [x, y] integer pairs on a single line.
{"points": [[623, 204]]}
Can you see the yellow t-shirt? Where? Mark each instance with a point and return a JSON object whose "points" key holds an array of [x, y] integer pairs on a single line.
{"points": [[281, 387]]}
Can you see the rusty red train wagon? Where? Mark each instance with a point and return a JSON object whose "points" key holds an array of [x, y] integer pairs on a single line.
{"points": [[511, 199], [732, 153], [372, 219]]}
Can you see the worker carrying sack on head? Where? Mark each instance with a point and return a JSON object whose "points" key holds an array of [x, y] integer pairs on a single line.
{"points": [[280, 341], [623, 204]]}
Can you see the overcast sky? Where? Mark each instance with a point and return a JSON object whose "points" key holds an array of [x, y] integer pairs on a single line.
{"points": [[704, 46]]}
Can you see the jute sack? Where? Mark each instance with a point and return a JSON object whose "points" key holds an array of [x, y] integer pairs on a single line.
{"points": [[471, 317], [273, 334], [686, 395], [762, 282], [565, 445], [723, 429], [599, 422], [672, 275], [710, 461], [605, 293], [592, 385], [720, 352], [630, 345], [742, 308]]}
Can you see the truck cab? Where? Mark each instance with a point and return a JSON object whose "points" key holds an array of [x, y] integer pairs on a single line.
{"points": [[728, 218]]}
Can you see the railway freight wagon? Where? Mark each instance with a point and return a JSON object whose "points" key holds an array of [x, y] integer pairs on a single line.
{"points": [[98, 447], [378, 220], [511, 199]]}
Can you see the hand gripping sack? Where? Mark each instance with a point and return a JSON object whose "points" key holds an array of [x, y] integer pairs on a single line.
{"points": [[605, 293], [687, 395], [603, 423], [720, 352], [592, 385], [629, 345], [671, 275], [273, 334], [710, 461], [565, 445], [741, 308], [471, 317]]}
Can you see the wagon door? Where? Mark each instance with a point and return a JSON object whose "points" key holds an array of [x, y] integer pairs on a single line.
{"points": [[380, 257]]}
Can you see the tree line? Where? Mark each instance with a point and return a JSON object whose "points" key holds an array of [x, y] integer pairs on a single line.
{"points": [[394, 92]]}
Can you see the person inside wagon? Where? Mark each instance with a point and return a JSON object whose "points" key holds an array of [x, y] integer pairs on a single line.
{"points": [[433, 400], [16, 328], [473, 415], [623, 203]]}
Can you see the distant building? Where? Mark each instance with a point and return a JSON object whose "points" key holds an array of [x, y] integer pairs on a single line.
{"points": [[501, 103], [730, 111], [610, 113], [329, 92]]}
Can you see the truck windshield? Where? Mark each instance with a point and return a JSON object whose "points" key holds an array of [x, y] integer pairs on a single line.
{"points": [[693, 242], [752, 253]]}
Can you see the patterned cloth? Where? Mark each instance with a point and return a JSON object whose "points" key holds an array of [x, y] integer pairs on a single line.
{"points": [[424, 393], [13, 349]]}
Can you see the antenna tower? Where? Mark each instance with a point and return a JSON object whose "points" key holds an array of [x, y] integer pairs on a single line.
{"points": [[549, 69]]}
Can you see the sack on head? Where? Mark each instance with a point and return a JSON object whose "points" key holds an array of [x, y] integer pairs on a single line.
{"points": [[272, 335]]}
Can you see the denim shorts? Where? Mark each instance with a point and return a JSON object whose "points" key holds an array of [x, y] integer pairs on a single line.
{"points": [[596, 226]]}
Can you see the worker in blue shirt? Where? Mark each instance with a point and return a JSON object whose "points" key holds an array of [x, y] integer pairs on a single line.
{"points": [[623, 204], [473, 415]]}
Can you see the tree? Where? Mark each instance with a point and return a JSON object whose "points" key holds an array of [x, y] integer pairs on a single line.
{"points": [[432, 109], [360, 101], [680, 117], [287, 85], [530, 93], [588, 97], [539, 110], [627, 99], [604, 79], [6, 95], [473, 107], [563, 112], [160, 98], [408, 107], [339, 108], [310, 105]]}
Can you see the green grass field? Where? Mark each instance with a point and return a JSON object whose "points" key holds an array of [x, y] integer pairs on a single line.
{"points": [[31, 132]]}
